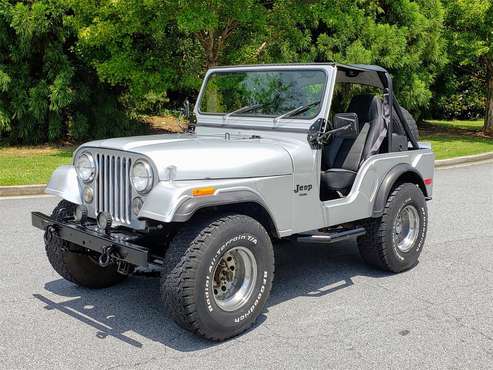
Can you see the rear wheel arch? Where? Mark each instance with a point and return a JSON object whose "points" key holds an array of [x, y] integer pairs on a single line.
{"points": [[402, 173], [395, 241]]}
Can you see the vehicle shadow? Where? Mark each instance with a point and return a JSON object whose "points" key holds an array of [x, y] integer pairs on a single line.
{"points": [[134, 306]]}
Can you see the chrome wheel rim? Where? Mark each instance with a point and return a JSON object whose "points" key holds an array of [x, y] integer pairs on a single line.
{"points": [[235, 275], [406, 228]]}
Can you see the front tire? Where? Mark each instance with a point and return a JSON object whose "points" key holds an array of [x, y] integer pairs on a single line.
{"points": [[394, 241], [73, 263], [217, 275]]}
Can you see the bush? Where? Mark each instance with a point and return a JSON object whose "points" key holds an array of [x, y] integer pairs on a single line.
{"points": [[46, 92], [82, 69], [459, 93]]}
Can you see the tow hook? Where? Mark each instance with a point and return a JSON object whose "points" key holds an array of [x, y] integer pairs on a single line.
{"points": [[110, 255], [50, 234], [106, 257]]}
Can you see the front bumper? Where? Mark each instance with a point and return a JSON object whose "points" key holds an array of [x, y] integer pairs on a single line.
{"points": [[91, 238]]}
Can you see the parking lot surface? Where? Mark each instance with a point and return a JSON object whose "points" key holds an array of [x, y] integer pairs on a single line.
{"points": [[327, 309]]}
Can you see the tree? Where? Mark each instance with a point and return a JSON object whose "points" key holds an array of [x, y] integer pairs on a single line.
{"points": [[148, 49], [224, 29], [36, 75], [47, 93], [131, 45], [470, 23], [402, 35], [80, 68], [459, 92]]}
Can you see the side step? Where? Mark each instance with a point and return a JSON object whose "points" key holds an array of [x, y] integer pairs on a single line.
{"points": [[334, 236]]}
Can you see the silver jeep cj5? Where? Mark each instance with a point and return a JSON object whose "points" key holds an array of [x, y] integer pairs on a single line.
{"points": [[313, 152]]}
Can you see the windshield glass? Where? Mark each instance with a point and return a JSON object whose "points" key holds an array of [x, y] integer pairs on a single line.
{"points": [[264, 93]]}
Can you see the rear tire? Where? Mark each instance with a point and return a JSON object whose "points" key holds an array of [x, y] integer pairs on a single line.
{"points": [[201, 291], [394, 241], [73, 264]]}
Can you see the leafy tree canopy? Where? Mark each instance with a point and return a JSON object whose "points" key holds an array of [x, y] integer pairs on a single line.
{"points": [[46, 91], [470, 46], [81, 67], [402, 35]]}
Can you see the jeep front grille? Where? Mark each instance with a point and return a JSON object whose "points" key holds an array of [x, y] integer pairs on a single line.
{"points": [[113, 191]]}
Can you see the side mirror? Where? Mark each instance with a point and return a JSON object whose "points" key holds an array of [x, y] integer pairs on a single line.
{"points": [[346, 125], [186, 108], [314, 133], [188, 113]]}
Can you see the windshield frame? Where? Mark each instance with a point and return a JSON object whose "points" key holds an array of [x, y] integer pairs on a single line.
{"points": [[260, 68]]}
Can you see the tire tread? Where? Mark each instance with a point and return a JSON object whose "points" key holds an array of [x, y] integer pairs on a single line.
{"points": [[372, 246], [62, 256], [181, 261], [55, 252]]}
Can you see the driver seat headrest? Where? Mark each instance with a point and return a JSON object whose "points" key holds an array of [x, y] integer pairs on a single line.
{"points": [[367, 107]]}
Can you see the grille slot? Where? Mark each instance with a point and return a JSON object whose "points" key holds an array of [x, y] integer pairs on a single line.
{"points": [[112, 188]]}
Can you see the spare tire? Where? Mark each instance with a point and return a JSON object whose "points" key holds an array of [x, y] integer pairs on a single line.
{"points": [[411, 122]]}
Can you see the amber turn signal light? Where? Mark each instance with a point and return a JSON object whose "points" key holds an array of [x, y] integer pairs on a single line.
{"points": [[200, 192]]}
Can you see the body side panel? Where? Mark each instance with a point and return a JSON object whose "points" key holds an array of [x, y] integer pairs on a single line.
{"points": [[360, 201]]}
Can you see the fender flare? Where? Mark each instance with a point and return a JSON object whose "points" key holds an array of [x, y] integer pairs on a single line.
{"points": [[187, 208], [64, 183], [388, 182]]}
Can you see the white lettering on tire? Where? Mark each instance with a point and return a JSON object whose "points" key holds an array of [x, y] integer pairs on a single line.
{"points": [[219, 253], [255, 303], [423, 231]]}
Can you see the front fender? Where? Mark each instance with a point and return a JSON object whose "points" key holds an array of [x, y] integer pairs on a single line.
{"points": [[64, 184], [173, 201]]}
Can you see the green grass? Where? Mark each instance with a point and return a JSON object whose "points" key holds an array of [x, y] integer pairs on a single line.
{"points": [[456, 138], [474, 125], [34, 165], [446, 146], [31, 165]]}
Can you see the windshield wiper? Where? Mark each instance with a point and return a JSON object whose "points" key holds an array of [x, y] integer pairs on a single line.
{"points": [[296, 111], [244, 109]]}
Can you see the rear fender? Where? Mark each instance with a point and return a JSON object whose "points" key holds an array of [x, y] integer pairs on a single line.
{"points": [[403, 170]]}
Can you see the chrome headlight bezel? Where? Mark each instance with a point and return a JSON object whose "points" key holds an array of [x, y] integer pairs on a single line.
{"points": [[92, 163], [149, 176]]}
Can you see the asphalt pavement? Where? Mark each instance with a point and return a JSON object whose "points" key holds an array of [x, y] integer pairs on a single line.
{"points": [[327, 309]]}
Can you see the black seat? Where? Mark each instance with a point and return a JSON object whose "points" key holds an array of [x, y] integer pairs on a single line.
{"points": [[342, 156]]}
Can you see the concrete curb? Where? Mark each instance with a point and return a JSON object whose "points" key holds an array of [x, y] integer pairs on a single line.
{"points": [[11, 191], [465, 159]]}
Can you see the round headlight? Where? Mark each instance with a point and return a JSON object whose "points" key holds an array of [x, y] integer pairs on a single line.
{"points": [[141, 176], [86, 167]]}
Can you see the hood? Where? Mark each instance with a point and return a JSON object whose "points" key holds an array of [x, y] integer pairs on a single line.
{"points": [[206, 157]]}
